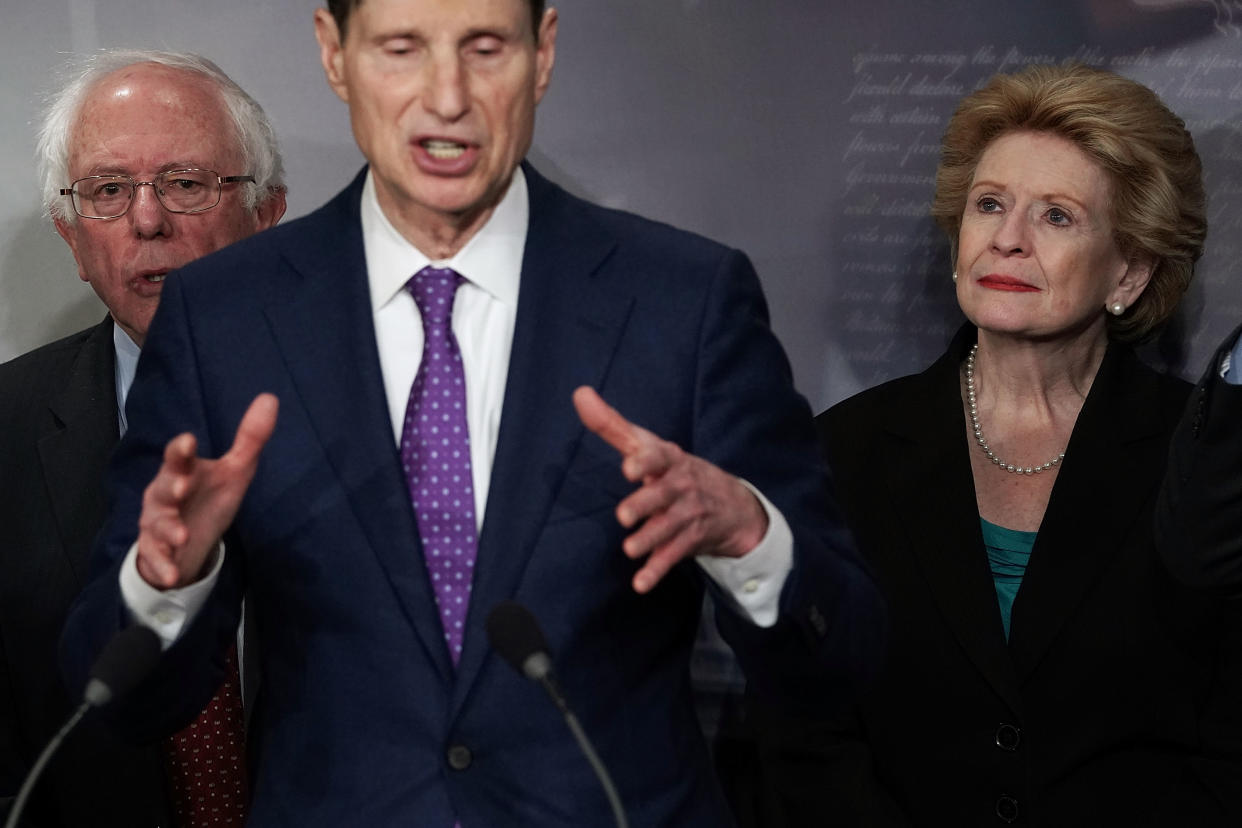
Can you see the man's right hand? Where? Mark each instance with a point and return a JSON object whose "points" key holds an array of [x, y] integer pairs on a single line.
{"points": [[192, 500]]}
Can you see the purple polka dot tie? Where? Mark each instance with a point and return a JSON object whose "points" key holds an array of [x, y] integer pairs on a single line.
{"points": [[435, 452]]}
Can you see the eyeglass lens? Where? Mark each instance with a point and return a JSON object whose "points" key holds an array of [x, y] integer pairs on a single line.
{"points": [[181, 191]]}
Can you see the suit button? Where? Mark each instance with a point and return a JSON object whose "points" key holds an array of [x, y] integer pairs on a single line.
{"points": [[459, 757], [1008, 737], [817, 621], [1007, 808]]}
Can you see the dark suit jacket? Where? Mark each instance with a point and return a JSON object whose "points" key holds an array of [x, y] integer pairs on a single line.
{"points": [[362, 719], [58, 426], [1115, 701], [1199, 514]]}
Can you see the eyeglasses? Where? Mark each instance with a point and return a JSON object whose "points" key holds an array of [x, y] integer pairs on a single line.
{"points": [[180, 191]]}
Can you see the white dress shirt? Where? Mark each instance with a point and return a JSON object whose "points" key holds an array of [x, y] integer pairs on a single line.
{"points": [[126, 364], [484, 313]]}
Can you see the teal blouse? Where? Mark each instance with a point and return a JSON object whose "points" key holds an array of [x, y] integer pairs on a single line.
{"points": [[1008, 553]]}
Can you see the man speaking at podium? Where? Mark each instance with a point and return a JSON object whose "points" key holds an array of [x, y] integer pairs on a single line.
{"points": [[431, 338]]}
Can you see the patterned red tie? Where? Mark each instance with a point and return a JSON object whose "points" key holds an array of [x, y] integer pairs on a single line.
{"points": [[207, 761]]}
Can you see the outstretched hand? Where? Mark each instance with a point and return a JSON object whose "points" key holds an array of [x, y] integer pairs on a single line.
{"points": [[192, 500], [686, 506]]}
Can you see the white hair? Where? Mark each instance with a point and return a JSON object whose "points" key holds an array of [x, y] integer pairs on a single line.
{"points": [[254, 133]]}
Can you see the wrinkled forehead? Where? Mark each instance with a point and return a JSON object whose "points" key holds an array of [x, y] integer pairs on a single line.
{"points": [[150, 116], [343, 10]]}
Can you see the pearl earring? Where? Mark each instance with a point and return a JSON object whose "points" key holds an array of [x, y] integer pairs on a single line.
{"points": [[1116, 309], [955, 275]]}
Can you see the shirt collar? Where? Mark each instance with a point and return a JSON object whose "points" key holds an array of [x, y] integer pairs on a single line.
{"points": [[491, 260], [126, 364]]}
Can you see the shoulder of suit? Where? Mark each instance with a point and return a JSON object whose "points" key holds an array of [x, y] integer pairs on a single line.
{"points": [[890, 395], [332, 220], [658, 237], [26, 381], [47, 357], [1141, 382]]}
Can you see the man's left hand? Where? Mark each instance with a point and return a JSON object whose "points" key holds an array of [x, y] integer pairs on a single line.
{"points": [[686, 506]]}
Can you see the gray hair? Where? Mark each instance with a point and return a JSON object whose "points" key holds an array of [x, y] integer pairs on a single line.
{"points": [[254, 133]]}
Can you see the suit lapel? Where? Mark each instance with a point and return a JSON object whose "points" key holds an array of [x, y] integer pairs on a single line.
{"points": [[567, 327], [938, 509], [1111, 469], [324, 327], [76, 442]]}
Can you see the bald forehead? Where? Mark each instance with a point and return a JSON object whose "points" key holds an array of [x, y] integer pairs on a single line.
{"points": [[155, 83], [154, 100]]}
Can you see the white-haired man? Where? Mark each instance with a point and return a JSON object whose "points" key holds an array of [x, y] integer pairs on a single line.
{"points": [[148, 161]]}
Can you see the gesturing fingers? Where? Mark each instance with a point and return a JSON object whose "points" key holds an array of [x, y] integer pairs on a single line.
{"points": [[605, 421], [643, 455], [161, 530], [192, 500], [254, 430], [685, 506]]}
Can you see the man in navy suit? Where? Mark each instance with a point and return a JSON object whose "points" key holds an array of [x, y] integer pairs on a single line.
{"points": [[452, 287]]}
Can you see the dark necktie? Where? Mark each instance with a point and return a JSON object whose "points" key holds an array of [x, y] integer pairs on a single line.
{"points": [[207, 761], [435, 453]]}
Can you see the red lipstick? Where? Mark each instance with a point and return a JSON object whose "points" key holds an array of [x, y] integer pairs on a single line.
{"points": [[997, 281]]}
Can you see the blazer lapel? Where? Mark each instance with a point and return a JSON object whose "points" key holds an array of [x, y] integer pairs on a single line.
{"points": [[325, 329], [1111, 468], [938, 508], [567, 327], [76, 443]]}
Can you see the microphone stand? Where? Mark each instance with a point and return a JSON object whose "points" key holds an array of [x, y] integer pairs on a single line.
{"points": [[36, 770], [125, 660], [588, 750]]}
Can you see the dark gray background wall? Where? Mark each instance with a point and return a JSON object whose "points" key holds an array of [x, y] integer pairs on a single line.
{"points": [[803, 132]]}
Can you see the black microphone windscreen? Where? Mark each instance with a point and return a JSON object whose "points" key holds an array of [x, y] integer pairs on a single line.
{"points": [[515, 634], [125, 661]]}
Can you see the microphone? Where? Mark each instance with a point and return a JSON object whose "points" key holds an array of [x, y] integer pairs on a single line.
{"points": [[515, 636], [125, 661]]}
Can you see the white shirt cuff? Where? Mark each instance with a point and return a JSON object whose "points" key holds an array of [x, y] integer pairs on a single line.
{"points": [[756, 579], [165, 611]]}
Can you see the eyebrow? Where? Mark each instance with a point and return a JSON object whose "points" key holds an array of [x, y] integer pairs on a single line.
{"points": [[402, 33]]}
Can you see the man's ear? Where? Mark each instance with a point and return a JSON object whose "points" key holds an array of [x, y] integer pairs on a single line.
{"points": [[545, 53], [331, 53], [68, 232], [270, 210]]}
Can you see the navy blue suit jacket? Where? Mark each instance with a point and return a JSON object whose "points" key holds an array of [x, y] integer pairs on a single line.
{"points": [[360, 708]]}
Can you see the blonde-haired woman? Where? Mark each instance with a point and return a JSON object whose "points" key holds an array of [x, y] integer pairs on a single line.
{"points": [[1044, 668]]}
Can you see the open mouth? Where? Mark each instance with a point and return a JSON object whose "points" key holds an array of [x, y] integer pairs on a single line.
{"points": [[442, 150]]}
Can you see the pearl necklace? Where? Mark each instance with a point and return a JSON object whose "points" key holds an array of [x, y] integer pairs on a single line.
{"points": [[978, 429]]}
